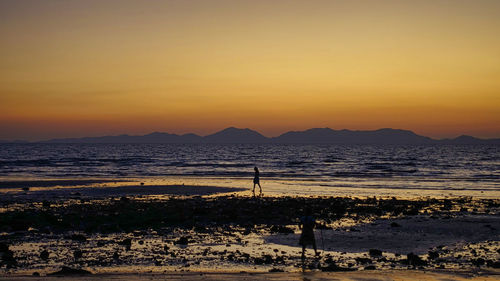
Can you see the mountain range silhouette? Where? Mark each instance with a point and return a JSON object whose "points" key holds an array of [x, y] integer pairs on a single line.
{"points": [[310, 136]]}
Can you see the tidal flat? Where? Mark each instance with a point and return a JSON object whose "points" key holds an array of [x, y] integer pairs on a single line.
{"points": [[211, 232]]}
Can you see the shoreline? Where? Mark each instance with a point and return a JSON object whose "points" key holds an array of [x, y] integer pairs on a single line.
{"points": [[32, 191], [278, 276], [271, 187]]}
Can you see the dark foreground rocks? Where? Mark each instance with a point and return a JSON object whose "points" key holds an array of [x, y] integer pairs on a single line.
{"points": [[116, 215], [185, 232], [7, 256]]}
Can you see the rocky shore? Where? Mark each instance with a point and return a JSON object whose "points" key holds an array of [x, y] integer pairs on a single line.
{"points": [[235, 233]]}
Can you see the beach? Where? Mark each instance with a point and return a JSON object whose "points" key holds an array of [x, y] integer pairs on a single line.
{"points": [[250, 140], [396, 275], [128, 228]]}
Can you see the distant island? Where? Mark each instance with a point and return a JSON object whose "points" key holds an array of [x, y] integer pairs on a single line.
{"points": [[310, 136]]}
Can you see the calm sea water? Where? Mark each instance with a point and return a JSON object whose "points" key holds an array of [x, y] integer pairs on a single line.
{"points": [[308, 169]]}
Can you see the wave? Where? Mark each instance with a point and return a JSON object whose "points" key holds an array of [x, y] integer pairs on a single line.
{"points": [[419, 165]]}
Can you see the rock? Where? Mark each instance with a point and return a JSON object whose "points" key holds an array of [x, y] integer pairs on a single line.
{"points": [[281, 229], [184, 240], [383, 259], [247, 231], [433, 255], [415, 260], [478, 261], [36, 274], [126, 242], [363, 260], [116, 256], [493, 264], [68, 271], [370, 267], [329, 259], [44, 255], [311, 266], [77, 254], [7, 258], [332, 267], [276, 270], [46, 204], [78, 237], [375, 252], [258, 261], [4, 247], [268, 259]]}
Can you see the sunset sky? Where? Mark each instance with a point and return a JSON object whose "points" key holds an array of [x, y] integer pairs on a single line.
{"points": [[91, 68]]}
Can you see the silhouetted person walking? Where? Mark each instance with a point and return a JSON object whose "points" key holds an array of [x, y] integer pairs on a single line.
{"points": [[256, 181], [307, 224]]}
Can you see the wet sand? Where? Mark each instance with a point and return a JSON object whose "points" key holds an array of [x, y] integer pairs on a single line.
{"points": [[388, 275], [178, 230], [52, 190], [52, 183]]}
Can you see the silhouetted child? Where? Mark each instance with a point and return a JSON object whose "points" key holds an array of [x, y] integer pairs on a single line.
{"points": [[307, 224], [256, 181]]}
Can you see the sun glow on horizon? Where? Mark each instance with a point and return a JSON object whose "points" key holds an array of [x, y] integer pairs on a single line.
{"points": [[90, 68]]}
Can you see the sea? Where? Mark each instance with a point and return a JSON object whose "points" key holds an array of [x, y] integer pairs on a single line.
{"points": [[285, 169]]}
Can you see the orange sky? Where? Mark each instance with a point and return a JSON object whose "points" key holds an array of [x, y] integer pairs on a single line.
{"points": [[89, 68]]}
